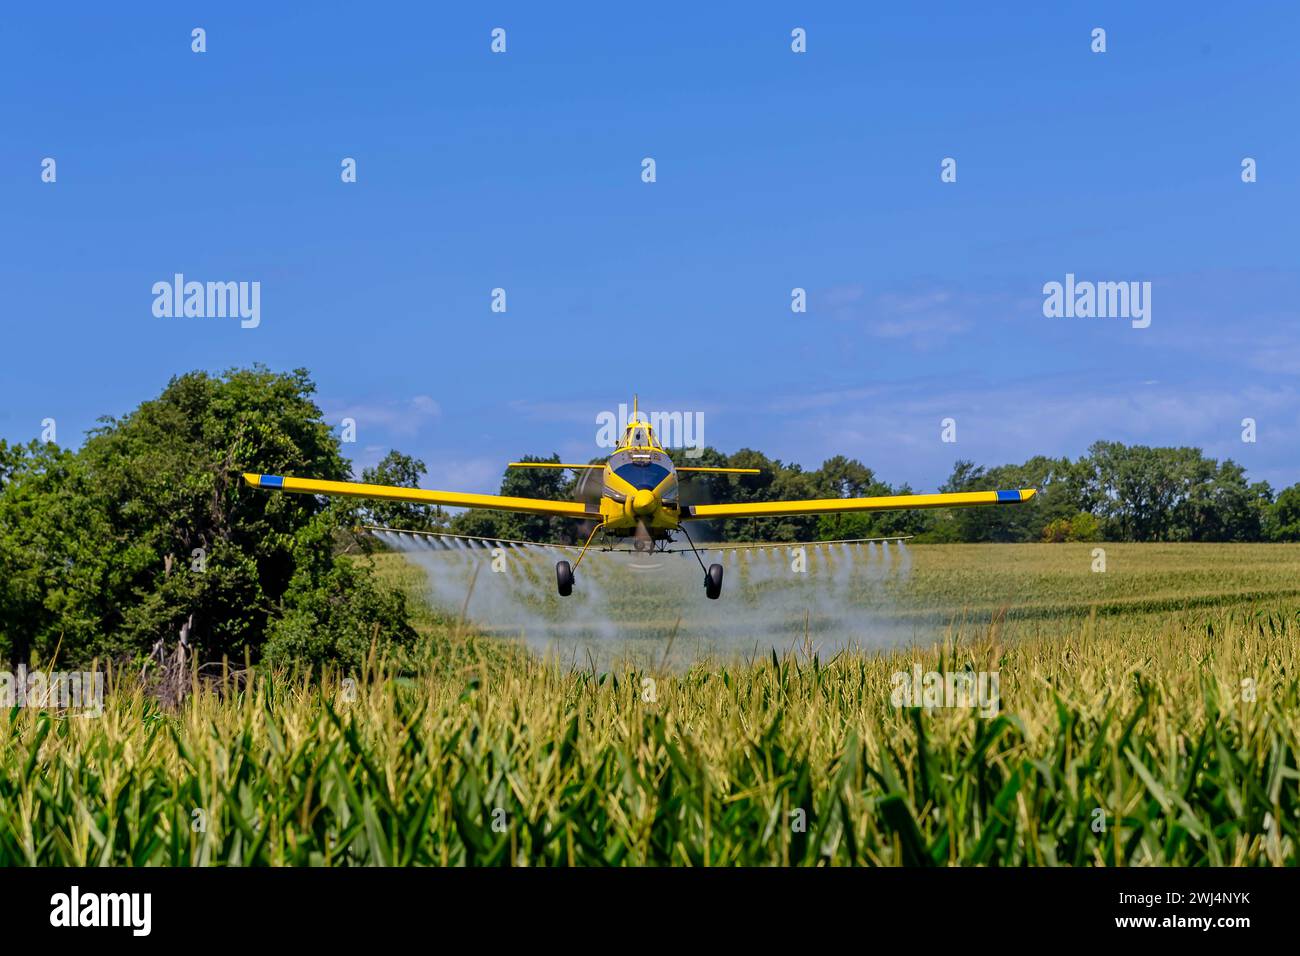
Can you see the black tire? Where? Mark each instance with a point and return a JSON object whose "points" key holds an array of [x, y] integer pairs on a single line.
{"points": [[713, 582], [564, 578]]}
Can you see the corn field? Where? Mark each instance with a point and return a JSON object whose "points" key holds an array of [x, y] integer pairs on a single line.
{"points": [[1169, 741]]}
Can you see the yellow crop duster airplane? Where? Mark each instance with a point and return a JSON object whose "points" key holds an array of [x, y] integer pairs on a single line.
{"points": [[639, 500]]}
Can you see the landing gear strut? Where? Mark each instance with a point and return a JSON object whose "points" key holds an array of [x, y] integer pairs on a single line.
{"points": [[712, 574], [564, 573]]}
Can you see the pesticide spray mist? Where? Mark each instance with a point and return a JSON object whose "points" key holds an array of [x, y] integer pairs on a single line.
{"points": [[651, 608]]}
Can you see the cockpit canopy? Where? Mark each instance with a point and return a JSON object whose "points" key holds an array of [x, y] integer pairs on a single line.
{"points": [[639, 434]]}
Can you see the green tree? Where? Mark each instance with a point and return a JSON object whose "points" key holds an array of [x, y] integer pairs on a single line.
{"points": [[1283, 519], [112, 547], [1170, 494]]}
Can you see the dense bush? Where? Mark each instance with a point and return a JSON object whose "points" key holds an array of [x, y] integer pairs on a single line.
{"points": [[1082, 527]]}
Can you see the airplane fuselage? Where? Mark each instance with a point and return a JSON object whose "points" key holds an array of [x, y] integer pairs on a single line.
{"points": [[640, 490]]}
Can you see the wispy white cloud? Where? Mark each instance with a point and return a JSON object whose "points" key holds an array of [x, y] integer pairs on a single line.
{"points": [[924, 314], [397, 417]]}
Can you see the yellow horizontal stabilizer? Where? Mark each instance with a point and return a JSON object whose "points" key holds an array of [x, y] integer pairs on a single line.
{"points": [[549, 464], [722, 471], [822, 506], [452, 499]]}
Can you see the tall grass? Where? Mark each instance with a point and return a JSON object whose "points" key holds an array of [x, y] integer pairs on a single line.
{"points": [[1118, 743]]}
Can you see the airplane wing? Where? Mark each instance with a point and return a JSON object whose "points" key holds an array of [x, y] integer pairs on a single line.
{"points": [[451, 499], [823, 506]]}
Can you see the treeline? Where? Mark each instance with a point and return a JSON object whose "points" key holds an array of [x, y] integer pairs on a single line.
{"points": [[1115, 492], [148, 527]]}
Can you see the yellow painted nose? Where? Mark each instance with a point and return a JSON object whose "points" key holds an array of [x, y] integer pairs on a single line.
{"points": [[644, 502]]}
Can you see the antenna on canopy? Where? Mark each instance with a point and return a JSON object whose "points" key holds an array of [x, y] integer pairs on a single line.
{"points": [[635, 415]]}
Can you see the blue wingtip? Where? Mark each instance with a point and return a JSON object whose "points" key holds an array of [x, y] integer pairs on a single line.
{"points": [[275, 481], [1006, 497]]}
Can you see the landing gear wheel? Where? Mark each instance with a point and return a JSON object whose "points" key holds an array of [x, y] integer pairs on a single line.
{"points": [[564, 578], [713, 582]]}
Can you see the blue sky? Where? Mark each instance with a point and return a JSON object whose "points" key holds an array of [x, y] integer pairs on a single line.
{"points": [[775, 170]]}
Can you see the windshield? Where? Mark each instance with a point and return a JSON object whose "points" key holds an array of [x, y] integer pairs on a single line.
{"points": [[642, 474]]}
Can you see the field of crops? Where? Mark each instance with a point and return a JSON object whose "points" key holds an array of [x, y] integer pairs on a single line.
{"points": [[1146, 715], [867, 599]]}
